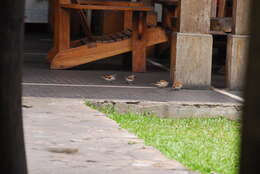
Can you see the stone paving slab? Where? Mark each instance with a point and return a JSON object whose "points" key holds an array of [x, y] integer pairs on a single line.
{"points": [[87, 142]]}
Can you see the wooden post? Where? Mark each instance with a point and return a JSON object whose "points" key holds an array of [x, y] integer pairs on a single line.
{"points": [[12, 148], [250, 123], [139, 40], [221, 8], [61, 39]]}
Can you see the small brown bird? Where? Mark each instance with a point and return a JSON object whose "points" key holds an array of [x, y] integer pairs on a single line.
{"points": [[130, 79], [109, 77], [161, 84], [177, 85]]}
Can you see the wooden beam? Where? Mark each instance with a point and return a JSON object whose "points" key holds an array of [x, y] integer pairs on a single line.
{"points": [[12, 148], [84, 54]]}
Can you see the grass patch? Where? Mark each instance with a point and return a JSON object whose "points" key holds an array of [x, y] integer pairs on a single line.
{"points": [[201, 144]]}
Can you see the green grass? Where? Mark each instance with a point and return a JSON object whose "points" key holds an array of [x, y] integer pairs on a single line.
{"points": [[201, 144]]}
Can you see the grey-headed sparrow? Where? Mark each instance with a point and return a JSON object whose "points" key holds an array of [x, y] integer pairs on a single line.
{"points": [[130, 79], [109, 77]]}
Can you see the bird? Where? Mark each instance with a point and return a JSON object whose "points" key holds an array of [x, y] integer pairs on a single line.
{"points": [[130, 79], [177, 85], [162, 84], [109, 77]]}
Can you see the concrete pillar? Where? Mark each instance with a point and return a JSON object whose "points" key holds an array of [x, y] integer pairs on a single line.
{"points": [[191, 47], [237, 55], [238, 44], [191, 59]]}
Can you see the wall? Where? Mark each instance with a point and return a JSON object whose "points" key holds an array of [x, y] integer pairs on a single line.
{"points": [[36, 11]]}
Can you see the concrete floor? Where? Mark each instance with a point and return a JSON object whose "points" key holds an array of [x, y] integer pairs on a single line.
{"points": [[86, 82]]}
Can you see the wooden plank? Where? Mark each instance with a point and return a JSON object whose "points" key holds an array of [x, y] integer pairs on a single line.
{"points": [[241, 15], [83, 54], [103, 7], [191, 59], [194, 16], [139, 41], [237, 56]]}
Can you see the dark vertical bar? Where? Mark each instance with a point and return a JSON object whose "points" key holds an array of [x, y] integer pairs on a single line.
{"points": [[139, 40], [250, 151], [12, 149]]}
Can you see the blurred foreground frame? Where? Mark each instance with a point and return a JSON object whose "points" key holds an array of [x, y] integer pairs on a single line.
{"points": [[12, 148], [250, 149]]}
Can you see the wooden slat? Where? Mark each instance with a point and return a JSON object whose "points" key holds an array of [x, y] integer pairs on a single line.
{"points": [[121, 35], [83, 54], [103, 7], [84, 21]]}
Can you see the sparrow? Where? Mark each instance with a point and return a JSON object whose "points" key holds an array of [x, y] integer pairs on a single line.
{"points": [[130, 79], [109, 77], [177, 85], [161, 84]]}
